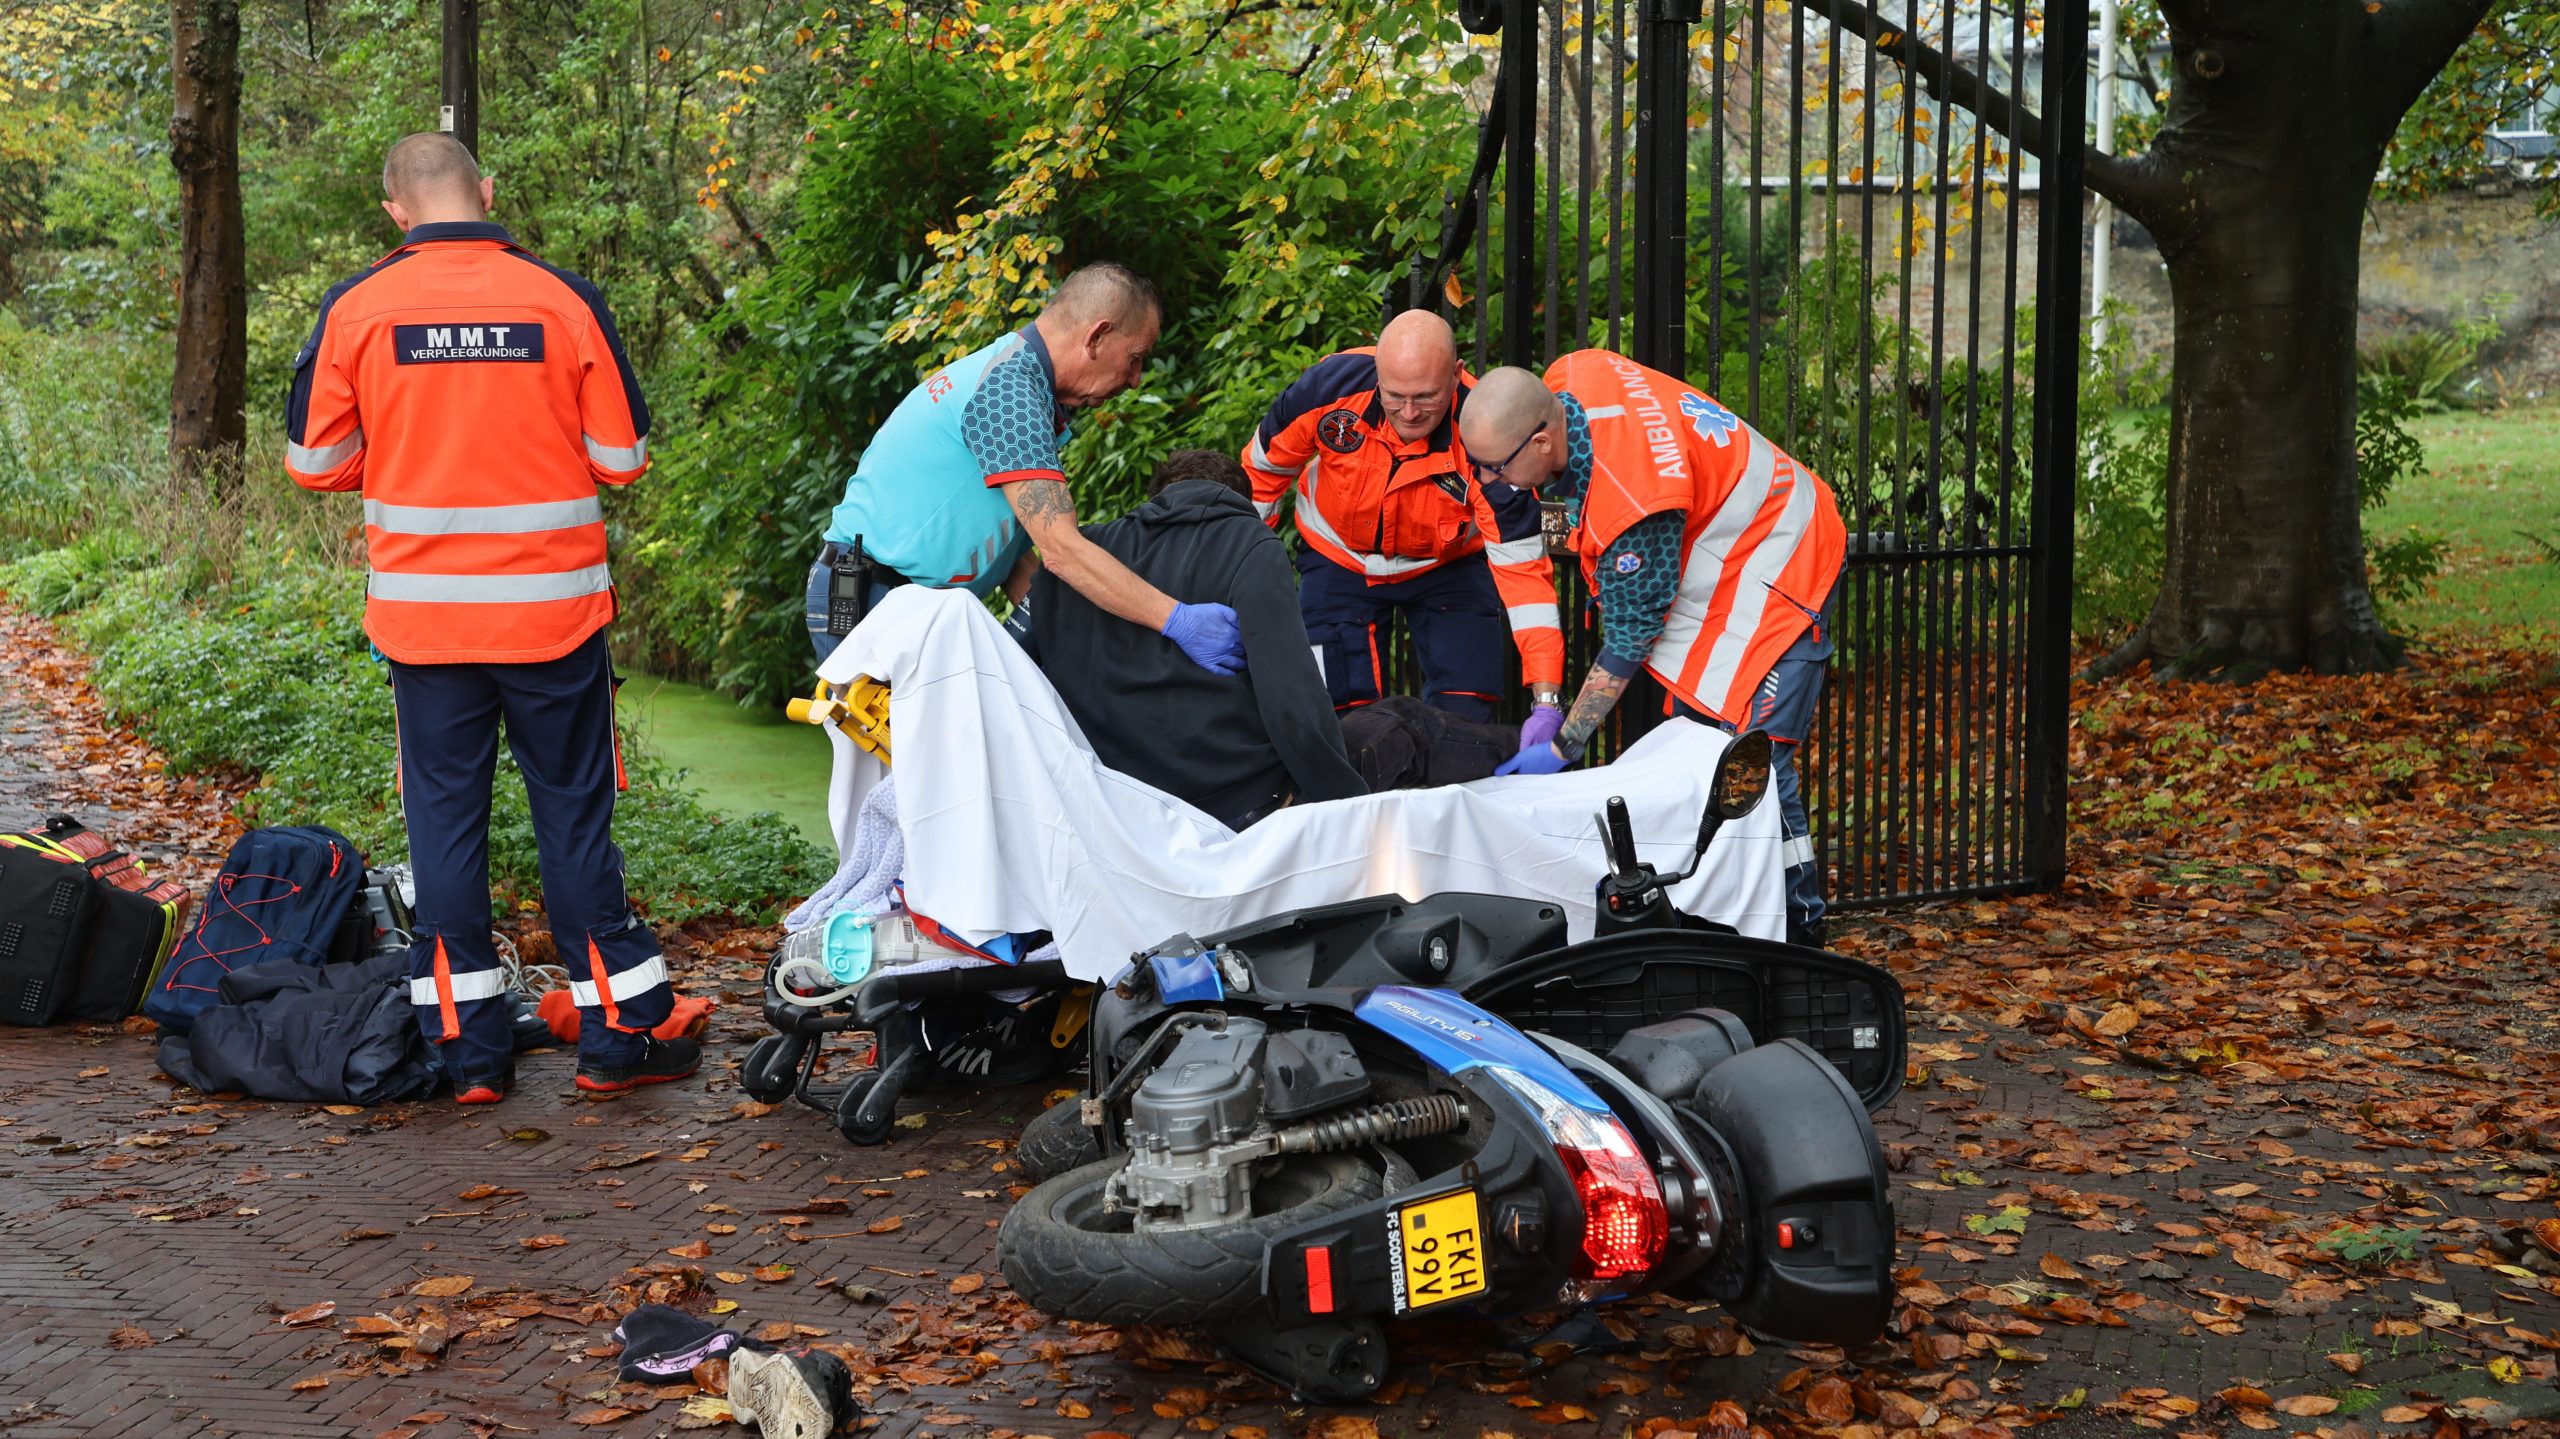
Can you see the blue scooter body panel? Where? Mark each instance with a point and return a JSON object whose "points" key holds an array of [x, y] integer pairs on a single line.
{"points": [[1453, 1036]]}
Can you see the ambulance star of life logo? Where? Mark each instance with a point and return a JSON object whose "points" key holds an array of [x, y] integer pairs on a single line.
{"points": [[1340, 431], [1629, 564], [1711, 420]]}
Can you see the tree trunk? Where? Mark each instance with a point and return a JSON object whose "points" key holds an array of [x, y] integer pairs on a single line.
{"points": [[2265, 559], [208, 394], [2256, 190]]}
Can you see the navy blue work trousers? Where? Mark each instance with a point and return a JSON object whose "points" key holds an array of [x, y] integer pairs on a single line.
{"points": [[1460, 633], [559, 723]]}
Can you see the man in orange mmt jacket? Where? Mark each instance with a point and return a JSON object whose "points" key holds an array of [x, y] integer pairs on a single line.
{"points": [[477, 397]]}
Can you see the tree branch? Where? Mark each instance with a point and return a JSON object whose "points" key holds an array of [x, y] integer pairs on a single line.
{"points": [[2407, 44], [2124, 180]]}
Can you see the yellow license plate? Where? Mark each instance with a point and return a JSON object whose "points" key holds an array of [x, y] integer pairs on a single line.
{"points": [[1439, 1251]]}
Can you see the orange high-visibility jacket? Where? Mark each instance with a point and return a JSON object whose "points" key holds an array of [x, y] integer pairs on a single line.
{"points": [[477, 396], [1763, 540], [1391, 509]]}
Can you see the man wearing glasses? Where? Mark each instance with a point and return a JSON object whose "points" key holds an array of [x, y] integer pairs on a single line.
{"points": [[1712, 553], [1390, 521]]}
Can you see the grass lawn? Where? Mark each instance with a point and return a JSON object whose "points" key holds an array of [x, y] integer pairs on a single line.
{"points": [[2490, 475], [738, 760]]}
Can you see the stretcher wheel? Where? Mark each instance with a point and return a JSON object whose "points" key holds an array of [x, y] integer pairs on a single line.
{"points": [[772, 1068], [849, 1119]]}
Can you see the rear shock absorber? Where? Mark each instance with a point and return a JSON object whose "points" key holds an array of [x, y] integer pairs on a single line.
{"points": [[1373, 1124]]}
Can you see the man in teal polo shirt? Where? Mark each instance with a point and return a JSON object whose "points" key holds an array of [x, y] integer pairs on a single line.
{"points": [[964, 479]]}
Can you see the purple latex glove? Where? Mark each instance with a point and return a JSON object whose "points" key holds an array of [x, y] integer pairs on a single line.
{"points": [[1208, 635], [1539, 758], [1544, 721]]}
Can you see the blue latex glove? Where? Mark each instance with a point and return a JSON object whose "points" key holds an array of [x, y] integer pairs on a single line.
{"points": [[1208, 634], [1539, 758], [1544, 721]]}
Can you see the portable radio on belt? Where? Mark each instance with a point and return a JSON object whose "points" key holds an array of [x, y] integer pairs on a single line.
{"points": [[848, 589]]}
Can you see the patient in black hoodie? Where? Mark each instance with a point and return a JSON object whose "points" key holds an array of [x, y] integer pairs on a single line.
{"points": [[1236, 747]]}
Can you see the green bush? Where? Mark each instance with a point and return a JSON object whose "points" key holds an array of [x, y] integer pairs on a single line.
{"points": [[2427, 369], [82, 415]]}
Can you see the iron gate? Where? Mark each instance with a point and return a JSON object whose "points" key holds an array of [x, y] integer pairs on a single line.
{"points": [[1783, 203]]}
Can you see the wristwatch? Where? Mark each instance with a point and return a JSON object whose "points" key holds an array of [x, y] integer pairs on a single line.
{"points": [[1540, 694]]}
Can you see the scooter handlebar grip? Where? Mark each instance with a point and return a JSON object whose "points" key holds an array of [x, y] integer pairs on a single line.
{"points": [[1622, 837]]}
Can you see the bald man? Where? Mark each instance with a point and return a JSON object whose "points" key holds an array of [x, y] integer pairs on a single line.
{"points": [[965, 477], [1712, 553], [1391, 521], [478, 397]]}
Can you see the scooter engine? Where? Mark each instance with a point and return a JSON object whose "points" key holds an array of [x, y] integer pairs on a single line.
{"points": [[1232, 1096], [1192, 1149]]}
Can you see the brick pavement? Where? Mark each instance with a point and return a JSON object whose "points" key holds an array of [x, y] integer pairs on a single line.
{"points": [[131, 1210]]}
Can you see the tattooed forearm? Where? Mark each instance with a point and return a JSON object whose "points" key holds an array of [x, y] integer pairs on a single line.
{"points": [[1048, 515], [1038, 503], [1600, 691]]}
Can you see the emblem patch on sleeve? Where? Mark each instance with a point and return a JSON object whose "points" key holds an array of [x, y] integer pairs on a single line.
{"points": [[1340, 431], [519, 340], [1628, 564]]}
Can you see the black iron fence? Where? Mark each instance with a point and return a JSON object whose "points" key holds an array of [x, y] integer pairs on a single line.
{"points": [[1769, 200]]}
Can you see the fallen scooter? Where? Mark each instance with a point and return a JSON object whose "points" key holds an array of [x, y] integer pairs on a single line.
{"points": [[1311, 1126]]}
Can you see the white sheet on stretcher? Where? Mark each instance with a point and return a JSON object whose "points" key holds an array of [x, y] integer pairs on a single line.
{"points": [[1012, 824]]}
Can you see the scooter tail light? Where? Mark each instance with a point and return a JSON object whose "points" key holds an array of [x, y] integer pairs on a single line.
{"points": [[1625, 1222]]}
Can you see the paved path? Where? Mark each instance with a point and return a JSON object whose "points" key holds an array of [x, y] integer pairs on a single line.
{"points": [[154, 1245]]}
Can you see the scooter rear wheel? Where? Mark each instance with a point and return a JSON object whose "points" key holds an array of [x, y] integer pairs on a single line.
{"points": [[1069, 1258]]}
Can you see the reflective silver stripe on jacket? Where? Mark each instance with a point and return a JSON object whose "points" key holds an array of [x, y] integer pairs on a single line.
{"points": [[1769, 559], [1703, 570], [617, 457], [1311, 521], [490, 589], [1516, 552], [1533, 617], [1259, 458], [311, 461], [482, 519]]}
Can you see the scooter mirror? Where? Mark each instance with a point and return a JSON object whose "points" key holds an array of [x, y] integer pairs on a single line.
{"points": [[1742, 776]]}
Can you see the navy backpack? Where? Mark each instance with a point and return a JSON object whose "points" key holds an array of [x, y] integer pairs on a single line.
{"points": [[282, 895]]}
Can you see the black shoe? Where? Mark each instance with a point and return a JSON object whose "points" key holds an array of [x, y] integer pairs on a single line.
{"points": [[664, 1061], [1811, 934], [802, 1395]]}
